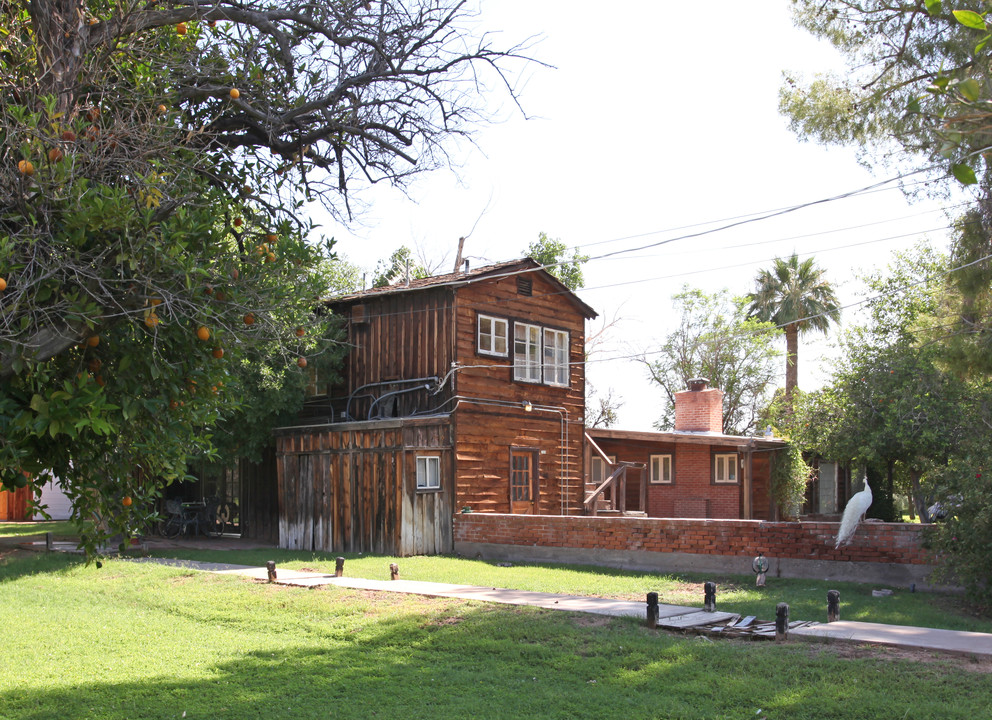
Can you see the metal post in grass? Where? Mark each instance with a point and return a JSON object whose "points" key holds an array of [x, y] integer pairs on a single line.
{"points": [[270, 567], [782, 621], [394, 571], [338, 567], [652, 610], [709, 597], [833, 606]]}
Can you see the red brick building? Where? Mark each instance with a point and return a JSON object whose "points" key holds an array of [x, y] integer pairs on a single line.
{"points": [[695, 471]]}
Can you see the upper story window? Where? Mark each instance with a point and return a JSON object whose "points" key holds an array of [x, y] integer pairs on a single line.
{"points": [[661, 469], [493, 332], [540, 355], [555, 357], [725, 468], [526, 352]]}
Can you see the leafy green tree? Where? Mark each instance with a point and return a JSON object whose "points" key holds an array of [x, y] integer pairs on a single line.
{"points": [[715, 339], [156, 159], [554, 255], [398, 267], [794, 296]]}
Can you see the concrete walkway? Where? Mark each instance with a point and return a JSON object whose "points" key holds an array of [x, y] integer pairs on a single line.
{"points": [[900, 636]]}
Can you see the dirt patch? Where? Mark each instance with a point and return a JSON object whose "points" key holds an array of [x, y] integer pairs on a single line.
{"points": [[951, 661], [586, 621]]}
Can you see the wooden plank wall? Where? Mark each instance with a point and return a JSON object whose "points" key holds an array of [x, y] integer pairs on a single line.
{"points": [[259, 501], [352, 488], [14, 505], [484, 434], [403, 336]]}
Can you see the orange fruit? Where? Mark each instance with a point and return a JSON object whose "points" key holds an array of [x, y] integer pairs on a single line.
{"points": [[235, 93], [26, 167], [213, 389], [238, 222], [126, 501], [203, 333], [93, 340], [93, 21], [162, 109], [173, 405], [218, 353], [3, 284], [302, 362], [54, 155], [95, 364], [300, 332], [156, 301], [212, 23], [181, 28], [249, 319], [152, 320], [270, 257], [271, 238], [234, 274]]}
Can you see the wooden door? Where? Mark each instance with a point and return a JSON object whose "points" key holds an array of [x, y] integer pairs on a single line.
{"points": [[524, 489]]}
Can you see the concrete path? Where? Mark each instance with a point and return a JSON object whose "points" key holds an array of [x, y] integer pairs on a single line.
{"points": [[914, 638]]}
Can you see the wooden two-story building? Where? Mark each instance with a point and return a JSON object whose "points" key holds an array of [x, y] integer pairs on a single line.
{"points": [[461, 393]]}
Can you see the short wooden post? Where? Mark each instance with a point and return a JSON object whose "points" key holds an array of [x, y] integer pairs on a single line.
{"points": [[652, 610], [394, 571], [48, 542], [833, 606], [338, 567], [782, 621], [270, 567], [709, 597]]}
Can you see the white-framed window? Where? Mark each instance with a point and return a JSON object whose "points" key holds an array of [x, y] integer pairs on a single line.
{"points": [[598, 469], [725, 468], [555, 357], [493, 332], [428, 472], [661, 469], [526, 352]]}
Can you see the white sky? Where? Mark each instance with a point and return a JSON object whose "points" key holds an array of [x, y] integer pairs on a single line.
{"points": [[660, 115]]}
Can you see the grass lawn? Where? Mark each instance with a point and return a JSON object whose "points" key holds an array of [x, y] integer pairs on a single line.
{"points": [[19, 531], [142, 641], [807, 599]]}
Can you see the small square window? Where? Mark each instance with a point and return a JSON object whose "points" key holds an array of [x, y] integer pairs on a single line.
{"points": [[725, 468], [493, 332], [661, 469], [428, 472]]}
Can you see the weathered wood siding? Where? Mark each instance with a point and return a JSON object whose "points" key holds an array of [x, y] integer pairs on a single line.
{"points": [[490, 418], [14, 505], [351, 487], [259, 498], [396, 337]]}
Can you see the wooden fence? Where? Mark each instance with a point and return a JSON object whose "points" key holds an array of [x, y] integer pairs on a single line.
{"points": [[14, 505]]}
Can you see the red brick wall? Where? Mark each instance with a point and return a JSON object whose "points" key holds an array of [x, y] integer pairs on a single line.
{"points": [[896, 543], [699, 410]]}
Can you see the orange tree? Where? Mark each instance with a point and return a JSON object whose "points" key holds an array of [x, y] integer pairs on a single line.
{"points": [[155, 165]]}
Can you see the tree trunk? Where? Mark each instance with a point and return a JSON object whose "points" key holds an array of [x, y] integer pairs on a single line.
{"points": [[791, 358]]}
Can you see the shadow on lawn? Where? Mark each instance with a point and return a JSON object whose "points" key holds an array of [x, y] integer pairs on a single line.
{"points": [[465, 660]]}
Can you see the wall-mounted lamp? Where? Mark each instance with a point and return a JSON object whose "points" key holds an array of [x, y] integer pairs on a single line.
{"points": [[527, 406]]}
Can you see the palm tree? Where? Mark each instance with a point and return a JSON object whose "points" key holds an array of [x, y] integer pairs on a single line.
{"points": [[794, 296]]}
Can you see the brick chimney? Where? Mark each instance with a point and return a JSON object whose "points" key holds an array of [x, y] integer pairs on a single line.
{"points": [[700, 408]]}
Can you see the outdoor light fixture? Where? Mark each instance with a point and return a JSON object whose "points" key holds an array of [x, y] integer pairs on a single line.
{"points": [[527, 406]]}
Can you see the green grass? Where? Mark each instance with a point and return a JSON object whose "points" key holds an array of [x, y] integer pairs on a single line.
{"points": [[58, 528], [807, 599], [142, 641]]}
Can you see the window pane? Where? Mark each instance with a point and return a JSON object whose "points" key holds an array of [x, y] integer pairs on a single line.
{"points": [[526, 352], [428, 472], [556, 357]]}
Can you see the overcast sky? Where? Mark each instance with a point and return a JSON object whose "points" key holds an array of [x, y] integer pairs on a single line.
{"points": [[660, 120]]}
